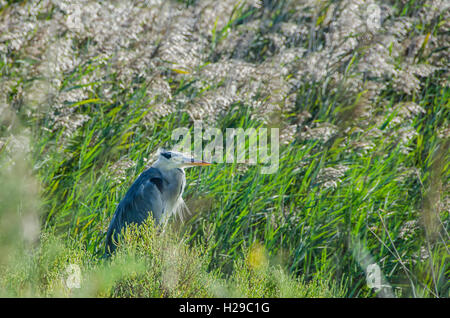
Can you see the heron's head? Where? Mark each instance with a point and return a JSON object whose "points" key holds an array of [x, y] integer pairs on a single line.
{"points": [[174, 159]]}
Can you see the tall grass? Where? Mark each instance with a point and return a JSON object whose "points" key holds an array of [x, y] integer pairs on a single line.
{"points": [[373, 192]]}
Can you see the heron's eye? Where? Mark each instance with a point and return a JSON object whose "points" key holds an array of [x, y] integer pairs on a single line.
{"points": [[168, 155]]}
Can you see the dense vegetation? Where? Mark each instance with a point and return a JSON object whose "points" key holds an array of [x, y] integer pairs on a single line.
{"points": [[90, 90]]}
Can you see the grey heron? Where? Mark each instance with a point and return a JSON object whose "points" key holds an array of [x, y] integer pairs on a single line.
{"points": [[158, 190]]}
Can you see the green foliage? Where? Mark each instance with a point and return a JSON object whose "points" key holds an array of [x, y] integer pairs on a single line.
{"points": [[148, 263], [375, 191]]}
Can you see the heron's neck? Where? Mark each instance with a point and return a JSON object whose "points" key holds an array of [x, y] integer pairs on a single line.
{"points": [[174, 180]]}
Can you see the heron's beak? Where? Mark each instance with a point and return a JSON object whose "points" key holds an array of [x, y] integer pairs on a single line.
{"points": [[195, 162]]}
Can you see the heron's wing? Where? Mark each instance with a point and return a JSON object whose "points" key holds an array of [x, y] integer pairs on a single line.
{"points": [[147, 200], [143, 197]]}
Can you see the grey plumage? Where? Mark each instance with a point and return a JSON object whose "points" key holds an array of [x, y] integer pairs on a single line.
{"points": [[157, 191]]}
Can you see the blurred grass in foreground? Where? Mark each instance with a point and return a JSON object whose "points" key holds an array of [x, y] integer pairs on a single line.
{"points": [[148, 264]]}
